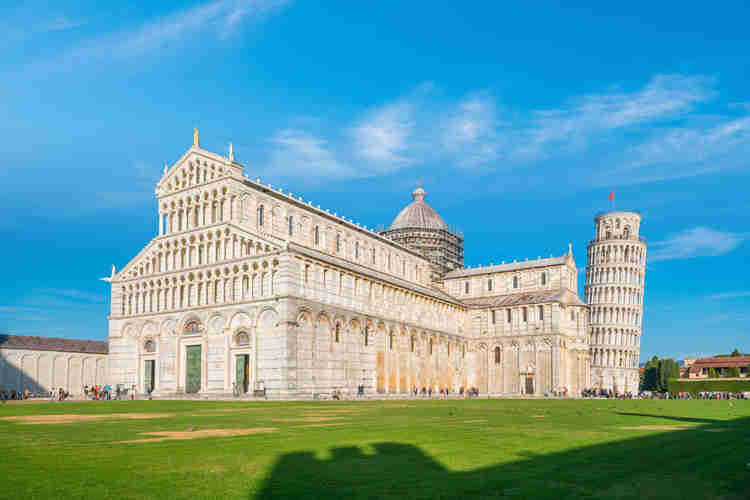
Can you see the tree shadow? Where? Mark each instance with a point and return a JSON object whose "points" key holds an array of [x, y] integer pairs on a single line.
{"points": [[689, 463], [670, 417]]}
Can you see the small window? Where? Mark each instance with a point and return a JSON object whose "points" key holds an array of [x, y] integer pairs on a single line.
{"points": [[524, 314], [373, 255], [515, 281], [541, 313], [338, 333], [413, 342], [356, 250], [463, 351], [338, 243], [149, 346], [242, 339], [260, 215], [192, 327], [316, 236], [497, 355], [489, 284], [367, 336], [544, 279], [509, 315], [291, 226], [430, 347], [466, 287], [390, 341], [492, 313]]}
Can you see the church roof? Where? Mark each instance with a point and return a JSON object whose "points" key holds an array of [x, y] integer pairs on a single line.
{"points": [[520, 299], [512, 266], [418, 214], [34, 343]]}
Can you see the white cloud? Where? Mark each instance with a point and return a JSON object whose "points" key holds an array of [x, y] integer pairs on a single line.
{"points": [[296, 153], [730, 295], [470, 133], [383, 137], [687, 152], [696, 242], [421, 129], [587, 117], [218, 17]]}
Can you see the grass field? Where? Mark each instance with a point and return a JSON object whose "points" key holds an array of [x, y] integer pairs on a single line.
{"points": [[393, 449]]}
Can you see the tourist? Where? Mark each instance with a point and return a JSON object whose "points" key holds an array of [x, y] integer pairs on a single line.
{"points": [[117, 393]]}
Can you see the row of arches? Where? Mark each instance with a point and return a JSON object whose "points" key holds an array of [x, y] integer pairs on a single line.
{"points": [[614, 336], [218, 286], [387, 357], [614, 275], [204, 248], [614, 358], [40, 372], [602, 253], [613, 295], [615, 315], [316, 277]]}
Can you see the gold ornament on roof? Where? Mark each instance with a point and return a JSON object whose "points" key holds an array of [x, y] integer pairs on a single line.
{"points": [[195, 138]]}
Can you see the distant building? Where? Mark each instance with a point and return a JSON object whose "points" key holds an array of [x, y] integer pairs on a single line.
{"points": [[41, 363], [701, 367]]}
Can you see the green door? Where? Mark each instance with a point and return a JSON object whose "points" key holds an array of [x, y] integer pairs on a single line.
{"points": [[148, 376], [241, 372], [193, 365]]}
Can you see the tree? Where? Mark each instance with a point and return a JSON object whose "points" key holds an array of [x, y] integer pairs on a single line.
{"points": [[736, 353], [732, 372], [712, 373], [657, 373]]}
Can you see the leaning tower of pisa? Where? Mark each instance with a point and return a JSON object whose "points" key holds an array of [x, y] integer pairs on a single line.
{"points": [[615, 272]]}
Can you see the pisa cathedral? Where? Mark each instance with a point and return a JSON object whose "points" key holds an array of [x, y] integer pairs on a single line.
{"points": [[247, 286]]}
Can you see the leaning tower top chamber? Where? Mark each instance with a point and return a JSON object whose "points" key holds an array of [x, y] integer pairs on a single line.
{"points": [[615, 282]]}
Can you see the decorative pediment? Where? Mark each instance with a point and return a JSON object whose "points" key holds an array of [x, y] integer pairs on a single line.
{"points": [[194, 168]]}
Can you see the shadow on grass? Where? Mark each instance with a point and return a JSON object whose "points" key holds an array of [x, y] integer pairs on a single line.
{"points": [[680, 464]]}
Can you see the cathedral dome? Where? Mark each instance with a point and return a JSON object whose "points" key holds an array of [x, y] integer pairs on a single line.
{"points": [[418, 214]]}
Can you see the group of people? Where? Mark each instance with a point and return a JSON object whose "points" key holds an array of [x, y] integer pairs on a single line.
{"points": [[15, 395], [607, 393], [714, 395], [58, 394], [98, 392]]}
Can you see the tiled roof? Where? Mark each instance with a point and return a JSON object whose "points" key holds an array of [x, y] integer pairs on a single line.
{"points": [[513, 266], [519, 299], [721, 362], [53, 344]]}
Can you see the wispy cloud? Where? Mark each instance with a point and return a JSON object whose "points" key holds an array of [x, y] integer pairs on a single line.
{"points": [[295, 151], [696, 242], [421, 129], [730, 295], [384, 136], [218, 18]]}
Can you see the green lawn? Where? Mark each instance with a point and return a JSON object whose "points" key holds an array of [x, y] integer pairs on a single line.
{"points": [[394, 449]]}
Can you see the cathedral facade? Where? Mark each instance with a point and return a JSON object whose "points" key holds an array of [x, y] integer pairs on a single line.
{"points": [[247, 287]]}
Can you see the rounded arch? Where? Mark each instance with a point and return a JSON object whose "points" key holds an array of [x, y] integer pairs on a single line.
{"points": [[240, 319], [268, 318]]}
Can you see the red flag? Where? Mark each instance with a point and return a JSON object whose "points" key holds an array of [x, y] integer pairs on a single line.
{"points": [[611, 195]]}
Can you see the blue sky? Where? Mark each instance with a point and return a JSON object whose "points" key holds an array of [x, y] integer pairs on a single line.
{"points": [[517, 120]]}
